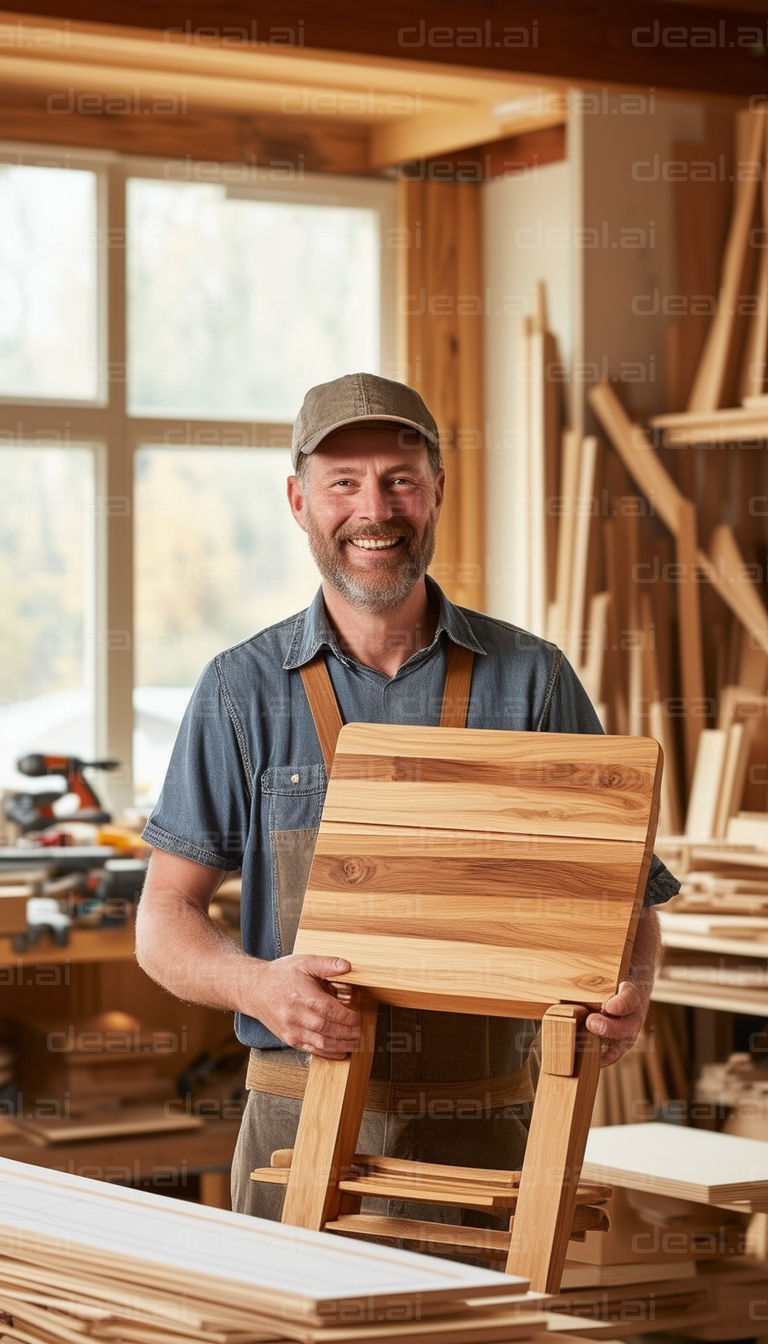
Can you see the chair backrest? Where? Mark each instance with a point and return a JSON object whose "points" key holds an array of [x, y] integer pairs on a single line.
{"points": [[465, 869]]}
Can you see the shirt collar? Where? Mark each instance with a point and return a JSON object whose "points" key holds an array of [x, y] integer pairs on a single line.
{"points": [[313, 631]]}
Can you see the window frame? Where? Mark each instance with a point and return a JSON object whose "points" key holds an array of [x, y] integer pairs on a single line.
{"points": [[113, 435]]}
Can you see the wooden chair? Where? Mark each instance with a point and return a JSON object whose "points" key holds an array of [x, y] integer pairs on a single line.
{"points": [[529, 854]]}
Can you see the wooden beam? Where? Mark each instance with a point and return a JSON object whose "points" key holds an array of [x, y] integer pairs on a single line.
{"points": [[396, 140], [306, 145], [509, 157], [602, 42]]}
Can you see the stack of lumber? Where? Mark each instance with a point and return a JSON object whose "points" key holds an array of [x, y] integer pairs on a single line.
{"points": [[736, 1083], [93, 1077], [82, 1260], [681, 1213], [640, 1086], [727, 402], [715, 932], [657, 600], [96, 1063]]}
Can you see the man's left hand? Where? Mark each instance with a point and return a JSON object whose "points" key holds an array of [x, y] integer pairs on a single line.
{"points": [[620, 1021]]}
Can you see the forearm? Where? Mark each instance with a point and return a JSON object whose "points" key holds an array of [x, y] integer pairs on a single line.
{"points": [[180, 947], [623, 1016], [647, 951]]}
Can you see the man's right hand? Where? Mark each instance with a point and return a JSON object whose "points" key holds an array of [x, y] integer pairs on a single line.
{"points": [[295, 1003]]}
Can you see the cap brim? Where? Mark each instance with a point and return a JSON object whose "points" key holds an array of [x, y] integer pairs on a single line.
{"points": [[316, 439]]}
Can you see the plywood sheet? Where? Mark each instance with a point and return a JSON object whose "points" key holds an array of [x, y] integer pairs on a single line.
{"points": [[685, 1163]]}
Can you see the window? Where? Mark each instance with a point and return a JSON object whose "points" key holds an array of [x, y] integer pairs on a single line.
{"points": [[48, 283], [237, 306], [46, 586], [217, 557], [156, 339]]}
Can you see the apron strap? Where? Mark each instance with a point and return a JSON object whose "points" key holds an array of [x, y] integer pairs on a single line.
{"points": [[458, 680], [324, 706], [327, 715]]}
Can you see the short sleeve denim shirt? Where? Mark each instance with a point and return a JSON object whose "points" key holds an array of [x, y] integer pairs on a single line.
{"points": [[246, 781]]}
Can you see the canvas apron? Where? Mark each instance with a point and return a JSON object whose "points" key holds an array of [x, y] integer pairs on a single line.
{"points": [[445, 1087]]}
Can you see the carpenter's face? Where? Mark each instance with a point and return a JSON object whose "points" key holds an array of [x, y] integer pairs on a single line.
{"points": [[369, 505]]}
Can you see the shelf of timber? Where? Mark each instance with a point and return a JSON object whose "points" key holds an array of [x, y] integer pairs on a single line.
{"points": [[745, 425], [84, 945]]}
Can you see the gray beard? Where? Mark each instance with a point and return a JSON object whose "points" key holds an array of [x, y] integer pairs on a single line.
{"points": [[386, 590]]}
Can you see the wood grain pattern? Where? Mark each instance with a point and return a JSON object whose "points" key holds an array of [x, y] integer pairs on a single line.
{"points": [[558, 784], [515, 878], [444, 361], [525, 840], [439, 917], [553, 1161], [584, 972], [334, 1100]]}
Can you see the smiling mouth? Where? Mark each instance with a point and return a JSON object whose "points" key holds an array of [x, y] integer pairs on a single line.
{"points": [[375, 543]]}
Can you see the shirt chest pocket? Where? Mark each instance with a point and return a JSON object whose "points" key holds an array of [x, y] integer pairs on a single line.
{"points": [[294, 796]]}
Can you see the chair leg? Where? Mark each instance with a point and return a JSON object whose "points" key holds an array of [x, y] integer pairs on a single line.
{"points": [[331, 1116], [554, 1154]]}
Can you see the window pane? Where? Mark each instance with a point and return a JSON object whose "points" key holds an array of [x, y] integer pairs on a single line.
{"points": [[236, 306], [46, 531], [48, 233], [218, 557]]}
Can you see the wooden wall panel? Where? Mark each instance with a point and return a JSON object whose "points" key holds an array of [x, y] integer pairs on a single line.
{"points": [[444, 335]]}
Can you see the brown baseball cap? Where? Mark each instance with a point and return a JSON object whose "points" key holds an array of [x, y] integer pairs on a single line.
{"points": [[355, 399]]}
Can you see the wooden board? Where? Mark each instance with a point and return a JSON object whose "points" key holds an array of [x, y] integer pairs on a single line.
{"points": [[637, 454], [729, 573], [735, 765], [754, 365], [523, 839], [716, 366], [705, 790], [684, 1163], [689, 633], [598, 1276], [557, 629], [129, 1120], [223, 1257], [733, 425], [563, 784], [587, 461]]}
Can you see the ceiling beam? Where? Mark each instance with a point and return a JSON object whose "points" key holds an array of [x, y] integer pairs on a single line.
{"points": [[515, 156], [199, 137], [695, 47]]}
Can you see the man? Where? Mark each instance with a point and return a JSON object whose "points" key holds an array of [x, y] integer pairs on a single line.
{"points": [[246, 784]]}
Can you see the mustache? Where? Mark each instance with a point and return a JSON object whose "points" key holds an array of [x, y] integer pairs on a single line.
{"points": [[375, 532]]}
